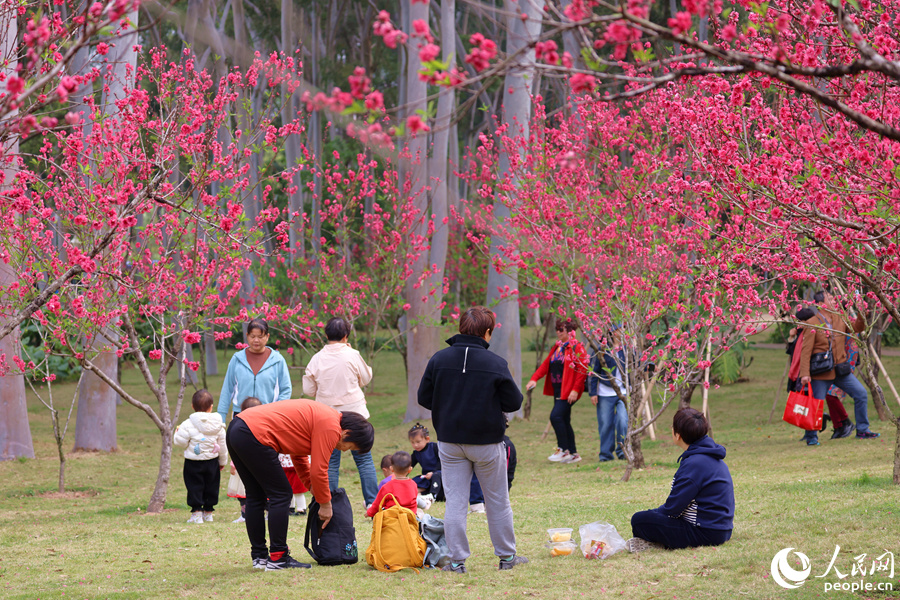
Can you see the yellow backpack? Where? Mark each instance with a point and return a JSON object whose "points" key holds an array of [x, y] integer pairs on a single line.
{"points": [[396, 543]]}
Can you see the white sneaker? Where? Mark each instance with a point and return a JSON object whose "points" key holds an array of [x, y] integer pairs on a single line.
{"points": [[562, 457], [260, 563], [241, 519], [196, 517], [425, 501], [556, 456], [476, 508], [571, 458], [207, 517], [637, 544]]}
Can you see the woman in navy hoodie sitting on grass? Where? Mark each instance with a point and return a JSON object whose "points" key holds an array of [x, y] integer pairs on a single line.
{"points": [[700, 508]]}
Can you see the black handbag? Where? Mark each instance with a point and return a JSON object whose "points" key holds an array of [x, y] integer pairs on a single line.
{"points": [[843, 369], [336, 544], [822, 362]]}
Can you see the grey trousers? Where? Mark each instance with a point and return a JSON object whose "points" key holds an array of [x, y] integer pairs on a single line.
{"points": [[458, 461]]}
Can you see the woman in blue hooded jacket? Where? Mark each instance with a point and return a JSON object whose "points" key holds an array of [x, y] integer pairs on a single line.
{"points": [[700, 508], [257, 370]]}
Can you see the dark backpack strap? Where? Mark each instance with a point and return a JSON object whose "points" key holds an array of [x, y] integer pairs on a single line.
{"points": [[312, 519]]}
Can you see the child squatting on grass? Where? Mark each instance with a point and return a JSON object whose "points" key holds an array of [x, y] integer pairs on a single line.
{"points": [[700, 508], [202, 436], [401, 486]]}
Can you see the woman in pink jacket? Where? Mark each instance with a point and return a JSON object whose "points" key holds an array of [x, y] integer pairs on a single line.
{"points": [[335, 376]]}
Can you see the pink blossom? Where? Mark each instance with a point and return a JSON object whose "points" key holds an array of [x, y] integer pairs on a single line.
{"points": [[421, 30], [191, 337], [782, 22], [429, 52], [15, 85], [102, 48], [395, 37], [155, 354], [482, 52], [682, 22], [729, 32], [360, 85], [416, 124], [582, 83], [576, 11], [375, 101]]}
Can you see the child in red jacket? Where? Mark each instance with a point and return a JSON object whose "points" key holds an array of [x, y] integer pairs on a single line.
{"points": [[401, 486]]}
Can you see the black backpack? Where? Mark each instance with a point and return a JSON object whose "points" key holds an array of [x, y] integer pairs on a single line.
{"points": [[336, 544]]}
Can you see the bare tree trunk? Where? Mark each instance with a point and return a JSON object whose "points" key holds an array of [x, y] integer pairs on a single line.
{"points": [[15, 434], [421, 335], [687, 392], [292, 143], [59, 433], [95, 422], [209, 347], [570, 41], [161, 488], [507, 339]]}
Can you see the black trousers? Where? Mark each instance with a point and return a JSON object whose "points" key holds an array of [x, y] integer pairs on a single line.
{"points": [[654, 526], [263, 477], [202, 479], [561, 419]]}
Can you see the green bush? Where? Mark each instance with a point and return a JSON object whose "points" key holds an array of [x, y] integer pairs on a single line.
{"points": [[891, 336]]}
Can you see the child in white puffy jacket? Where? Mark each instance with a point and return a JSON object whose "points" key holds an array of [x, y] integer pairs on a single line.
{"points": [[202, 436]]}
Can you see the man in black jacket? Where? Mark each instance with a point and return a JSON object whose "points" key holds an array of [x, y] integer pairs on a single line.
{"points": [[468, 389]]}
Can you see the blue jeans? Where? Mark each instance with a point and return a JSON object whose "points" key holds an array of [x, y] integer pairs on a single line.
{"points": [[367, 477], [561, 419], [855, 389], [612, 424]]}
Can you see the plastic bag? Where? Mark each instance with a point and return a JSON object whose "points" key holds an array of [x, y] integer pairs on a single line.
{"points": [[600, 540]]}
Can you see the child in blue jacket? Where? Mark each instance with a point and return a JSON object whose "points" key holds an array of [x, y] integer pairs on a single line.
{"points": [[700, 508]]}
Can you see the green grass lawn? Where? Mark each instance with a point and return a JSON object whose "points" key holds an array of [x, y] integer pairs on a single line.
{"points": [[96, 542]]}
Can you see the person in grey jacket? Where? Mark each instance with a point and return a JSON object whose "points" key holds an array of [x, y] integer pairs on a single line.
{"points": [[468, 389], [257, 370]]}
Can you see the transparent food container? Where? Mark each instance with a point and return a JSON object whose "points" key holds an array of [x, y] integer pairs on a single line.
{"points": [[562, 548], [561, 534]]}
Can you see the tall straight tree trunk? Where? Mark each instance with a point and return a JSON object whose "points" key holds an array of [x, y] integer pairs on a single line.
{"points": [[242, 56], [439, 168], [315, 124], [209, 349], [15, 434], [423, 318], [506, 340], [95, 421], [292, 143]]}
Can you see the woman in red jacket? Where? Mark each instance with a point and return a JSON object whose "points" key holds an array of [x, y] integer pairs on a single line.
{"points": [[566, 368]]}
